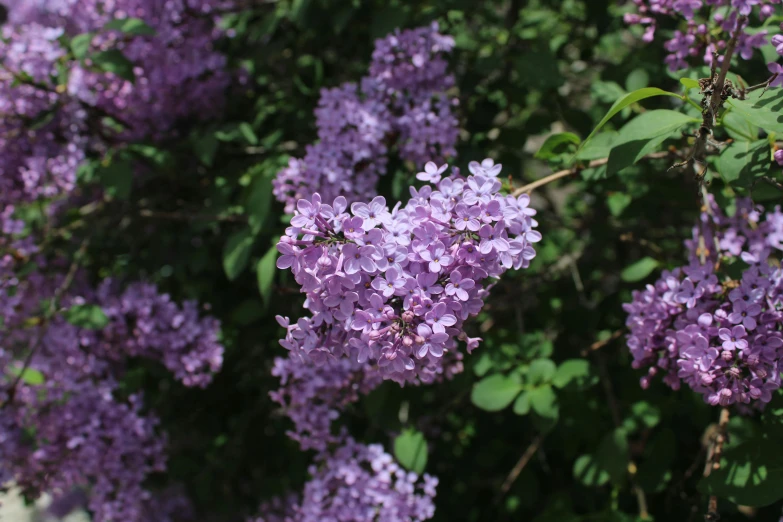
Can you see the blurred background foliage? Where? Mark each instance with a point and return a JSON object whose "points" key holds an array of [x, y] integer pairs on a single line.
{"points": [[203, 223]]}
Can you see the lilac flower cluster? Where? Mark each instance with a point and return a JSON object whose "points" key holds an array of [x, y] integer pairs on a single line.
{"points": [[392, 288], [402, 101], [74, 426], [42, 139], [721, 336], [356, 483], [697, 37], [313, 396], [53, 105]]}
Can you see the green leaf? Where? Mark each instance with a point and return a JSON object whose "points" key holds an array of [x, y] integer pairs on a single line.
{"points": [[637, 79], [690, 83], [540, 371], [495, 392], [617, 202], [265, 272], [205, 148], [86, 316], [259, 201], [589, 472], [236, 253], [135, 26], [741, 163], [557, 144], [613, 454], [599, 147], [763, 112], [410, 450], [113, 61], [642, 135], [29, 376], [751, 474], [544, 402], [739, 128], [117, 178], [248, 133], [80, 45], [627, 100], [575, 372], [639, 270], [522, 404]]}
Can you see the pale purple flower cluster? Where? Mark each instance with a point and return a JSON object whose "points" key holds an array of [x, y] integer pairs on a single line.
{"points": [[42, 138], [722, 337], [64, 424], [696, 37], [392, 288], [178, 72], [53, 106], [357, 483], [314, 396], [403, 101]]}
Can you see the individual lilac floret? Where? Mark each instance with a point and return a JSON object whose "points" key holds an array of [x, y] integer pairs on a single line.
{"points": [[356, 483], [384, 285], [722, 337]]}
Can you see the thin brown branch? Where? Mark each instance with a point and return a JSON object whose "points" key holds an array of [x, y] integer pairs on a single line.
{"points": [[713, 462], [573, 171], [518, 467], [600, 344], [58, 293]]}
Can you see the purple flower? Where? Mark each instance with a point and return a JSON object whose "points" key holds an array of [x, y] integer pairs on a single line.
{"points": [[745, 313], [437, 257], [439, 319], [459, 286], [374, 213], [493, 238], [733, 339], [431, 172], [432, 342]]}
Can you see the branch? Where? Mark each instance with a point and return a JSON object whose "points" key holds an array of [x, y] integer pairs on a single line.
{"points": [[575, 170], [600, 344], [518, 467], [713, 462]]}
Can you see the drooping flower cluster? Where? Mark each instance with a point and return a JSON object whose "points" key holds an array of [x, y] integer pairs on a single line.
{"points": [[66, 419], [392, 288], [314, 396], [403, 101], [357, 483], [55, 107], [697, 39], [702, 324]]}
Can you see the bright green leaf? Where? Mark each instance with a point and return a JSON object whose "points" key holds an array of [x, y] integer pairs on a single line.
{"points": [[522, 404], [617, 202], [410, 450], [557, 144], [91, 317], [540, 371], [690, 83], [80, 45], [741, 163], [248, 133], [639, 270], [236, 253], [573, 371], [265, 272], [544, 402], [627, 100], [29, 375], [751, 474], [495, 392], [589, 472], [134, 26], [762, 112], [113, 61]]}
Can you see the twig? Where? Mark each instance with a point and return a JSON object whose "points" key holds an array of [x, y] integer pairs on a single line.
{"points": [[600, 344], [714, 104], [772, 182], [518, 467], [69, 277], [713, 462], [574, 170]]}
